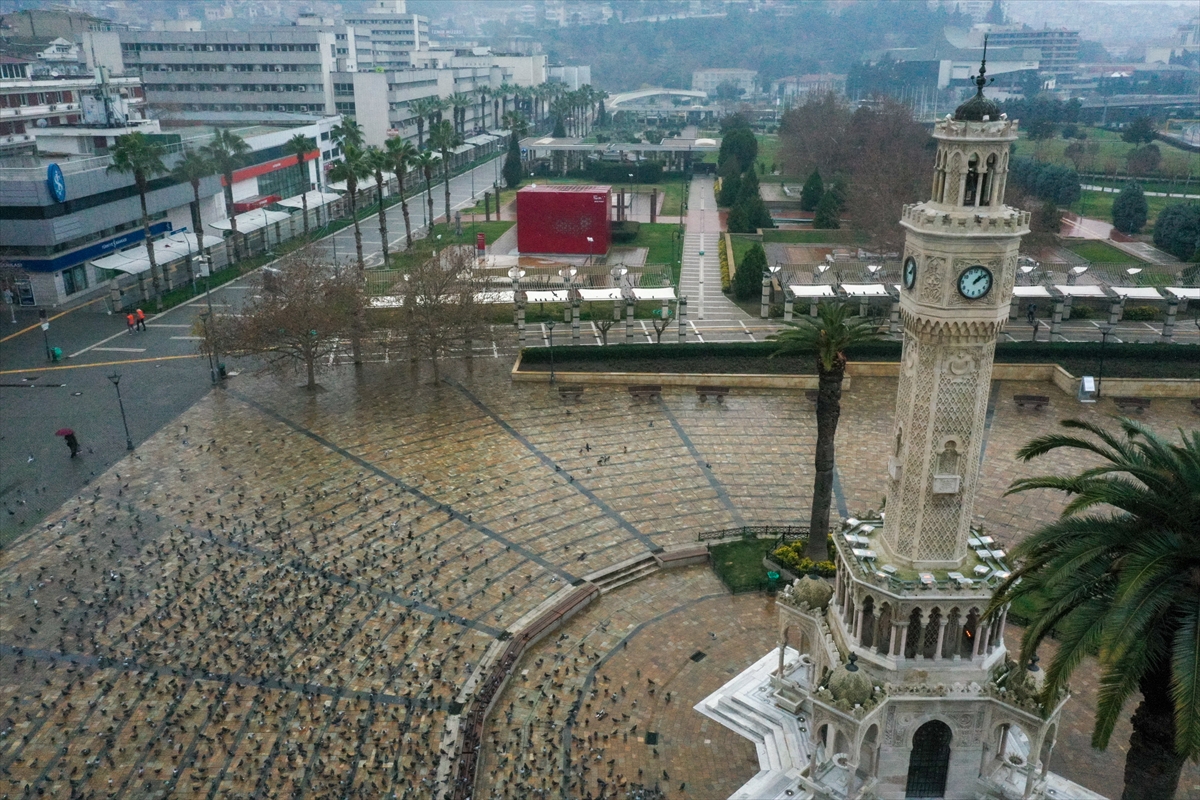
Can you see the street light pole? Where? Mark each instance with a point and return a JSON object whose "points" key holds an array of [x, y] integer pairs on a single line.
{"points": [[1104, 333], [550, 326], [116, 381]]}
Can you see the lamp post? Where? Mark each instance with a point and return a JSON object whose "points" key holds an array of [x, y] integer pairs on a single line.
{"points": [[212, 370], [215, 357], [1104, 333], [550, 327], [1074, 274], [632, 195], [116, 382]]}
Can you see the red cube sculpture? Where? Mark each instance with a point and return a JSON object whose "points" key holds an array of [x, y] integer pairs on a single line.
{"points": [[559, 218]]}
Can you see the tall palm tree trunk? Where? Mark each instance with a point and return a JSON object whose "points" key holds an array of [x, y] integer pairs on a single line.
{"points": [[155, 278], [429, 196], [1152, 768], [357, 230], [383, 239], [404, 208], [420, 132], [829, 408], [446, 173], [237, 250], [360, 313], [196, 223]]}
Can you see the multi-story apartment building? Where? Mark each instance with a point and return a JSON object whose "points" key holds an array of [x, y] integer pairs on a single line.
{"points": [[707, 80], [393, 32], [1058, 48], [31, 105]]}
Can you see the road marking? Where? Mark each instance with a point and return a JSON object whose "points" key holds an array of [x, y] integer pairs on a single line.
{"points": [[97, 364], [189, 338], [747, 330], [97, 344], [165, 325], [120, 349], [38, 324]]}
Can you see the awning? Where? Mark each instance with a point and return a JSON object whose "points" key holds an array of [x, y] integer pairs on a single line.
{"points": [[1185, 293], [865, 289], [463, 148], [481, 139], [1030, 291], [134, 261], [819, 290], [252, 220], [1081, 290], [600, 294], [552, 296], [1137, 292], [665, 293], [315, 199], [337, 186], [495, 296]]}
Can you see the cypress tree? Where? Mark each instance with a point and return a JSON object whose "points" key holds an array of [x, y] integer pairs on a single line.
{"points": [[814, 189], [747, 281], [826, 215], [512, 164], [1129, 210]]}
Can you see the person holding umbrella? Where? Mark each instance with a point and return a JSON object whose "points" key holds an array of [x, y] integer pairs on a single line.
{"points": [[69, 436]]}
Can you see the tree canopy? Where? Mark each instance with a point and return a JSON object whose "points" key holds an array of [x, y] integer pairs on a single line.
{"points": [[1177, 230], [747, 281], [1129, 210], [739, 143]]}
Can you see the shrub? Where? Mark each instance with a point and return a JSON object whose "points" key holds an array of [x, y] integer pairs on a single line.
{"points": [[723, 257], [792, 557], [1082, 312], [618, 171], [1142, 314], [810, 195], [747, 280], [625, 231], [739, 143], [1129, 210], [826, 216], [1177, 230], [1143, 160]]}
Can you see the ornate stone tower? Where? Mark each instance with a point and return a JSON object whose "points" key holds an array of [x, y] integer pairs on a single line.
{"points": [[960, 260], [898, 686]]}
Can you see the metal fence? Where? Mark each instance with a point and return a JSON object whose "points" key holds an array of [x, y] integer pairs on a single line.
{"points": [[781, 532]]}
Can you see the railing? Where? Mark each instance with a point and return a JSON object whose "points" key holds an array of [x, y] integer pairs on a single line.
{"points": [[781, 532]]}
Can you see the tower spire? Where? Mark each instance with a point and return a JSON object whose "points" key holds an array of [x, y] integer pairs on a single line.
{"points": [[980, 80]]}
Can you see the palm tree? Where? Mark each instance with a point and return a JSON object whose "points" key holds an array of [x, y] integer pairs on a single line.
{"points": [[348, 132], [227, 151], [135, 154], [444, 139], [193, 168], [425, 161], [827, 336], [515, 122], [350, 169], [379, 162], [1121, 581], [483, 98], [459, 102], [422, 108], [300, 146], [402, 154]]}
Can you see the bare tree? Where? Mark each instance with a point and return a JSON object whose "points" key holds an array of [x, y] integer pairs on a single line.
{"points": [[660, 327], [295, 316], [441, 311], [604, 326]]}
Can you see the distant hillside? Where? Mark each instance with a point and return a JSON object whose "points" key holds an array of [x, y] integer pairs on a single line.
{"points": [[810, 39]]}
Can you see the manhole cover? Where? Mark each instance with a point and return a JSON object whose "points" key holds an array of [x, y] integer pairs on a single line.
{"points": [[76, 394], [699, 656], [651, 737]]}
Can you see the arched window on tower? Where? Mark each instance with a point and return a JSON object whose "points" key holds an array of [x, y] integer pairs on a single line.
{"points": [[989, 181], [971, 188]]}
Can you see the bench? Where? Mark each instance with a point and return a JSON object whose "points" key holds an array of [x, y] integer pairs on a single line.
{"points": [[570, 392], [1038, 401], [1138, 404], [716, 392], [646, 392], [811, 395], [1196, 404]]}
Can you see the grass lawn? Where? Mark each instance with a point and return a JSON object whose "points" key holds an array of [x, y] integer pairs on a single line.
{"points": [[741, 246], [1098, 205], [740, 563], [1176, 187], [660, 240], [1100, 252], [1111, 157], [768, 152], [808, 236], [422, 249]]}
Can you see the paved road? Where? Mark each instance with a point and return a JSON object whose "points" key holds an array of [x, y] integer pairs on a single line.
{"points": [[700, 276]]}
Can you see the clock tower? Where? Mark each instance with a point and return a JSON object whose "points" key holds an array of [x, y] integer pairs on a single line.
{"points": [[960, 259]]}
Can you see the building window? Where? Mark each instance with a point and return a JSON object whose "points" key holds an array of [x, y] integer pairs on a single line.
{"points": [[74, 279]]}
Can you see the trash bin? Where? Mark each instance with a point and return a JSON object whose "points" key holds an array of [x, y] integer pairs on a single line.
{"points": [[56, 354], [772, 581], [221, 370]]}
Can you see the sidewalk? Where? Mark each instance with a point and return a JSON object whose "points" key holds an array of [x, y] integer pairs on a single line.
{"points": [[700, 278]]}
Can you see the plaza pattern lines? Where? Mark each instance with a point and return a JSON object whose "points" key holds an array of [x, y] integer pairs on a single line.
{"points": [[282, 593]]}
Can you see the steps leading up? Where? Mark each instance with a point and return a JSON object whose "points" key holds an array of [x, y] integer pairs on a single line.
{"points": [[621, 573]]}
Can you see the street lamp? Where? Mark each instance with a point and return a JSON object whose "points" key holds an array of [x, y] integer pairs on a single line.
{"points": [[212, 370], [550, 326], [632, 196], [215, 357], [1075, 273], [1105, 330], [116, 381]]}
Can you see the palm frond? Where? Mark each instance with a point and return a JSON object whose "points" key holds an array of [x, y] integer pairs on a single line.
{"points": [[1185, 679]]}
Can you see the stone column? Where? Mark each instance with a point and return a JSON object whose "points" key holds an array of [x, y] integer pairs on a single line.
{"points": [[1067, 306], [1115, 310], [975, 640], [894, 643], [984, 635], [765, 310], [858, 615], [487, 206], [937, 654], [1169, 324], [903, 640], [1057, 318], [574, 322], [1014, 307], [521, 323], [789, 304], [812, 308], [894, 320], [653, 205], [682, 320], [862, 307], [628, 321]]}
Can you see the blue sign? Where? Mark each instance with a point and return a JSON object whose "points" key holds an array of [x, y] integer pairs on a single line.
{"points": [[57, 183], [91, 252]]}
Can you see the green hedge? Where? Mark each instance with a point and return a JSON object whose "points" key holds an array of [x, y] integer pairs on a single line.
{"points": [[625, 230]]}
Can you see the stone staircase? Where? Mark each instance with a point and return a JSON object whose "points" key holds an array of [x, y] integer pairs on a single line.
{"points": [[623, 572]]}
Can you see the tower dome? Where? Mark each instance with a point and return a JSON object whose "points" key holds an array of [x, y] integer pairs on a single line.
{"points": [[979, 108], [813, 591], [850, 683]]}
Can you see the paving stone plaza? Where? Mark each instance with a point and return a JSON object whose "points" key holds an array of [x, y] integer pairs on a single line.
{"points": [[284, 594]]}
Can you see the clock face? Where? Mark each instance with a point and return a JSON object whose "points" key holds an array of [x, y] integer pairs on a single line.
{"points": [[975, 282], [910, 272]]}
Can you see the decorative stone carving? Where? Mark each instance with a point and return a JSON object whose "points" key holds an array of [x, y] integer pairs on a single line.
{"points": [[931, 284]]}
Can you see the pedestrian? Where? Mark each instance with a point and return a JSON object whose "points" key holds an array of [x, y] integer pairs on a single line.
{"points": [[130, 320], [141, 320], [72, 444], [1031, 314]]}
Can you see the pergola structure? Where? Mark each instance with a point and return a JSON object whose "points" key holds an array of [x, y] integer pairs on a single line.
{"points": [[1060, 295], [675, 154]]}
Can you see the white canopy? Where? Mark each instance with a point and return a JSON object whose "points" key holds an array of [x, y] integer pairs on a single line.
{"points": [[315, 198], [1030, 291], [495, 296], [483, 138], [665, 293], [337, 186], [249, 221], [1138, 292], [1185, 293], [600, 294], [134, 260], [551, 296], [1081, 290], [818, 290], [865, 289]]}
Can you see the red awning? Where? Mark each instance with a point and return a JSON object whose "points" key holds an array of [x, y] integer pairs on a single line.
{"points": [[255, 202]]}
